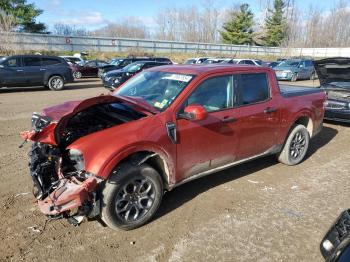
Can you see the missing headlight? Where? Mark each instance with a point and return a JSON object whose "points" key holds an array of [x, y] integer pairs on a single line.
{"points": [[77, 159]]}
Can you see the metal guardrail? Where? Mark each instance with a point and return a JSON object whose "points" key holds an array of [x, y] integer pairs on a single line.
{"points": [[38, 42]]}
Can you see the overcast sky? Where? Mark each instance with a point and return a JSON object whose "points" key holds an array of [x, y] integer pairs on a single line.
{"points": [[93, 14]]}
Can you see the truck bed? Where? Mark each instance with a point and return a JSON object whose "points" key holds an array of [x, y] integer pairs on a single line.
{"points": [[292, 91]]}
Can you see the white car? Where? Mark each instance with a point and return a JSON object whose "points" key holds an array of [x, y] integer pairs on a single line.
{"points": [[74, 59], [255, 62], [197, 60]]}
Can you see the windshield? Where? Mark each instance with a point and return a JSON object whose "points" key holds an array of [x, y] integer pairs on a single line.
{"points": [[134, 67], [289, 63], [158, 89]]}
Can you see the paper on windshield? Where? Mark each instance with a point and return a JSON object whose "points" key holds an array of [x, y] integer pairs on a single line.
{"points": [[178, 77]]}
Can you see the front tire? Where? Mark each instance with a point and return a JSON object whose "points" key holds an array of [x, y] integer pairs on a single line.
{"points": [[294, 77], [295, 147], [77, 75], [131, 196], [56, 83]]}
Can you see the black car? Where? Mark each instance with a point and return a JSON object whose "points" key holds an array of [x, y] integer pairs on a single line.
{"points": [[113, 79], [35, 70], [119, 63], [334, 76]]}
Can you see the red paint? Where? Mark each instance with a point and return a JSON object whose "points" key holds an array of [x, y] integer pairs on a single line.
{"points": [[204, 144]]}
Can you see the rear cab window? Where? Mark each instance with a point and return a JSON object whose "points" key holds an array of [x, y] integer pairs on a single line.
{"points": [[254, 88]]}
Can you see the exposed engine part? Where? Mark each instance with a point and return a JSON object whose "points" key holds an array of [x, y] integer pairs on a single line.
{"points": [[43, 160], [94, 119]]}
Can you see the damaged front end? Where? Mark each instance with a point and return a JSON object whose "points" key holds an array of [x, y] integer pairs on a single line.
{"points": [[62, 186]]}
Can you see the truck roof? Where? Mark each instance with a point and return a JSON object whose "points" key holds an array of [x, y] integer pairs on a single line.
{"points": [[210, 68]]}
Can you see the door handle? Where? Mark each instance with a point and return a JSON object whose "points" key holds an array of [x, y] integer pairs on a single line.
{"points": [[19, 70], [228, 119], [270, 110]]}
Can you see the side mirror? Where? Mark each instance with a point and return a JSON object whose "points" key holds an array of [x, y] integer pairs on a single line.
{"points": [[194, 112]]}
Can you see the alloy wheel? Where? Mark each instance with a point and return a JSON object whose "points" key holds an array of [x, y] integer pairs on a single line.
{"points": [[297, 146], [134, 199]]}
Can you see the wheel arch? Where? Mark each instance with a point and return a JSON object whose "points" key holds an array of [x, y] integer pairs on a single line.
{"points": [[153, 157], [48, 76]]}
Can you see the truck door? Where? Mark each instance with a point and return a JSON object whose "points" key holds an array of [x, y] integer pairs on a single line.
{"points": [[258, 116], [209, 143]]}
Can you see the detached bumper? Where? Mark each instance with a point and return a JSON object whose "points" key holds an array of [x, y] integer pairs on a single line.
{"points": [[69, 194]]}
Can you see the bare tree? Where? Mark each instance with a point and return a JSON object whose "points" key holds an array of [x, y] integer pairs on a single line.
{"points": [[131, 27], [69, 30]]}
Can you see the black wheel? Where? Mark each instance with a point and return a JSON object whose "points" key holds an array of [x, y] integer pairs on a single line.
{"points": [[295, 147], [131, 196], [56, 83], [77, 75], [294, 77]]}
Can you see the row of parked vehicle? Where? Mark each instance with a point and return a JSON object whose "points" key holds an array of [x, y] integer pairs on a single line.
{"points": [[54, 72], [286, 69]]}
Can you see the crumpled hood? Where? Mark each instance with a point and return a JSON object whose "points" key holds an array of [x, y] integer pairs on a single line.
{"points": [[336, 69], [118, 72], [57, 112]]}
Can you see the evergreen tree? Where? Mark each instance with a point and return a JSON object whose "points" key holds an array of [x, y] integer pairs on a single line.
{"points": [[275, 24], [24, 14], [238, 30]]}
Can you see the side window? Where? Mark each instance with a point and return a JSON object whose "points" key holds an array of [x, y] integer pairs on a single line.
{"points": [[254, 88], [46, 61], [91, 64], [12, 62], [125, 62], [248, 62], [214, 94], [241, 62], [32, 61], [309, 63]]}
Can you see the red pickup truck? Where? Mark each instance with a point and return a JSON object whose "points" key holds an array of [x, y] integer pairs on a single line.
{"points": [[114, 156]]}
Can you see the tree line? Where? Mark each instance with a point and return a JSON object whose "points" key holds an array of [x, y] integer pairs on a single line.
{"points": [[280, 23]]}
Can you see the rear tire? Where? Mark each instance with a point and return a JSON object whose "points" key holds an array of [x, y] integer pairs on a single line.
{"points": [[295, 147], [131, 196], [56, 83]]}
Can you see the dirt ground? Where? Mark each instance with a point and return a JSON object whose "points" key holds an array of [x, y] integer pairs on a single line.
{"points": [[259, 211]]}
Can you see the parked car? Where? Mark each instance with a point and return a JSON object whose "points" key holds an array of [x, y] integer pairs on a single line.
{"points": [[242, 61], [197, 60], [89, 69], [295, 69], [166, 126], [213, 61], [273, 64], [334, 76], [122, 62], [115, 78], [335, 246], [35, 70], [74, 59]]}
